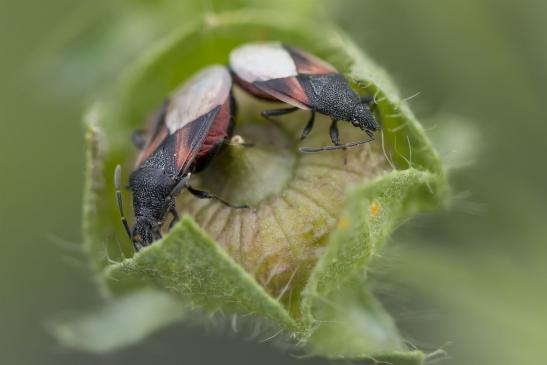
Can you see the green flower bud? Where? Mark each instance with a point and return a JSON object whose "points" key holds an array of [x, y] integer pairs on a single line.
{"points": [[296, 257]]}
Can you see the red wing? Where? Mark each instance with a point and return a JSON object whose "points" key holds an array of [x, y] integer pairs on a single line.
{"points": [[155, 134], [288, 90], [252, 89], [190, 138], [307, 63], [262, 61], [206, 90], [221, 129], [188, 116]]}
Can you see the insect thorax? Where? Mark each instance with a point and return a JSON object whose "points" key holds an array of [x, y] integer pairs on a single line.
{"points": [[151, 189], [330, 94]]}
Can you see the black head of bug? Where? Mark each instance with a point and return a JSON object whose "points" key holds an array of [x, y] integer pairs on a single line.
{"points": [[152, 199], [145, 231], [363, 117]]}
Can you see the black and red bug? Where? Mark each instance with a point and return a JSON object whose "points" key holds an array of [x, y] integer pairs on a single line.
{"points": [[278, 72], [181, 138]]}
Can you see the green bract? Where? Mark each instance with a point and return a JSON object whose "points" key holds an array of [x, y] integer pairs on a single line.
{"points": [[297, 258]]}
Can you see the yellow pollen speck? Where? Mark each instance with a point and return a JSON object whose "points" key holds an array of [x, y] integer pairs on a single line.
{"points": [[375, 208], [343, 223]]}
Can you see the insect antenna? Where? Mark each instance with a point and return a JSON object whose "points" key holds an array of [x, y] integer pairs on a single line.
{"points": [[338, 147], [117, 174]]}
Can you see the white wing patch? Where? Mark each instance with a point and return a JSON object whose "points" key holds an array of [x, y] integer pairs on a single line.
{"points": [[198, 96], [262, 62]]}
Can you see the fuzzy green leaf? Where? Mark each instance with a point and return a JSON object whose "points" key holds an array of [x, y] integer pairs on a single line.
{"points": [[370, 215], [193, 266], [120, 322], [351, 323]]}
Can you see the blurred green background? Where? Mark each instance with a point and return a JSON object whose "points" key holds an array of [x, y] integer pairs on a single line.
{"points": [[472, 279]]}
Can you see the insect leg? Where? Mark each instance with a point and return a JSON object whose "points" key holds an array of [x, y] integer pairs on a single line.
{"points": [[368, 99], [207, 195], [117, 174], [307, 129], [275, 112], [337, 146], [138, 138], [175, 215], [331, 148], [178, 188], [334, 133]]}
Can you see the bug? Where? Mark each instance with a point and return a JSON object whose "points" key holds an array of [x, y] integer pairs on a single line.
{"points": [[278, 72], [181, 139]]}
